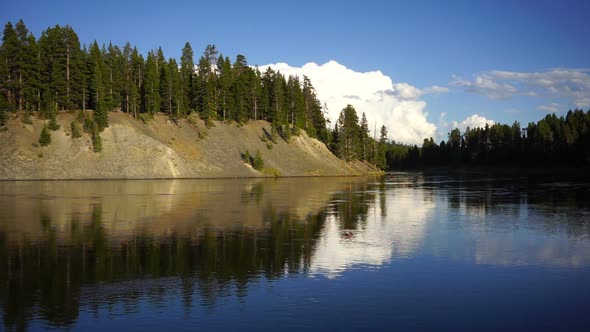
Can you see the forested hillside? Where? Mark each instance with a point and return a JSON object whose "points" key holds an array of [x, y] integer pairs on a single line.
{"points": [[41, 77], [54, 72]]}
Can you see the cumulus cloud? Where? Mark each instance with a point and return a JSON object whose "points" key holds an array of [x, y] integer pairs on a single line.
{"points": [[569, 84], [472, 121], [395, 105], [551, 108]]}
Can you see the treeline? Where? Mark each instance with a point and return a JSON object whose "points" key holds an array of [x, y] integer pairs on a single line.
{"points": [[351, 139], [552, 141], [54, 72]]}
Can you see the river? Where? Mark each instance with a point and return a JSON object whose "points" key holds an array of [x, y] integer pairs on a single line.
{"points": [[405, 251]]}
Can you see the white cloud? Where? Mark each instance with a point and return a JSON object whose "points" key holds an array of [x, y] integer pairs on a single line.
{"points": [[551, 108], [436, 89], [572, 85], [472, 121], [395, 105]]}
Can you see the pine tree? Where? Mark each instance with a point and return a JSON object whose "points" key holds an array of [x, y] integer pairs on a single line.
{"points": [[175, 93], [255, 90], [10, 66], [165, 89], [225, 81], [348, 146], [381, 158], [137, 83], [3, 108], [45, 137], [75, 130], [258, 162], [61, 66], [296, 103], [53, 125], [315, 121], [97, 87], [364, 138], [239, 91], [207, 96], [114, 66], [187, 69], [96, 139], [152, 85]]}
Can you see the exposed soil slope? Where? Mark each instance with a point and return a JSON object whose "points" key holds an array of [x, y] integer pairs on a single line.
{"points": [[161, 149]]}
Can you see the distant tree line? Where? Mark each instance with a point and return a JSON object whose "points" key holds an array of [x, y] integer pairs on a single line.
{"points": [[552, 141], [54, 72]]}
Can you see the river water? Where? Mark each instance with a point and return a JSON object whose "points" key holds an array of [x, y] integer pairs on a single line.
{"points": [[406, 251]]}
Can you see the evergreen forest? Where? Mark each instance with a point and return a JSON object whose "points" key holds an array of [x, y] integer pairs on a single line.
{"points": [[551, 142], [55, 73]]}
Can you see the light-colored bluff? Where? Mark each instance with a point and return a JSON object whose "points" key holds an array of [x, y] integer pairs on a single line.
{"points": [[161, 148]]}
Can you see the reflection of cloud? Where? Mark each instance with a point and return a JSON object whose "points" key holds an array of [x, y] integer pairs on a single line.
{"points": [[399, 234], [540, 249], [500, 230]]}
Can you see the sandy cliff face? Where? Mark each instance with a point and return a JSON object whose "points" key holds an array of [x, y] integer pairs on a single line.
{"points": [[160, 149]]}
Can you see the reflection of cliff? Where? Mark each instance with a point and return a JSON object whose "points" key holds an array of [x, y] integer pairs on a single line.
{"points": [[158, 207], [208, 236]]}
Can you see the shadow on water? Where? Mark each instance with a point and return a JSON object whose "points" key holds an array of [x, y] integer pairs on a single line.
{"points": [[67, 247]]}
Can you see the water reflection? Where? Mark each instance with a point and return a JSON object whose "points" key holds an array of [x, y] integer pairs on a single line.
{"points": [[91, 246], [392, 228]]}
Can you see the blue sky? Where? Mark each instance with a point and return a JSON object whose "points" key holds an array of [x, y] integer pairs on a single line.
{"points": [[458, 45]]}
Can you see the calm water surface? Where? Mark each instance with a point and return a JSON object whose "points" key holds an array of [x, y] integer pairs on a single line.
{"points": [[408, 251]]}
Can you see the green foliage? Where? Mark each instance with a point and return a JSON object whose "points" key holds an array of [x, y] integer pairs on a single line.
{"points": [[246, 157], [380, 158], [3, 110], [55, 73], [88, 124], [258, 163], [53, 125], [45, 137], [552, 141], [271, 172], [75, 130], [40, 155], [348, 145], [146, 117], [101, 119], [96, 139], [269, 145]]}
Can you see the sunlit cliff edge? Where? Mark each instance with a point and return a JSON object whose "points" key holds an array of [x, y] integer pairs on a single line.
{"points": [[161, 148]]}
